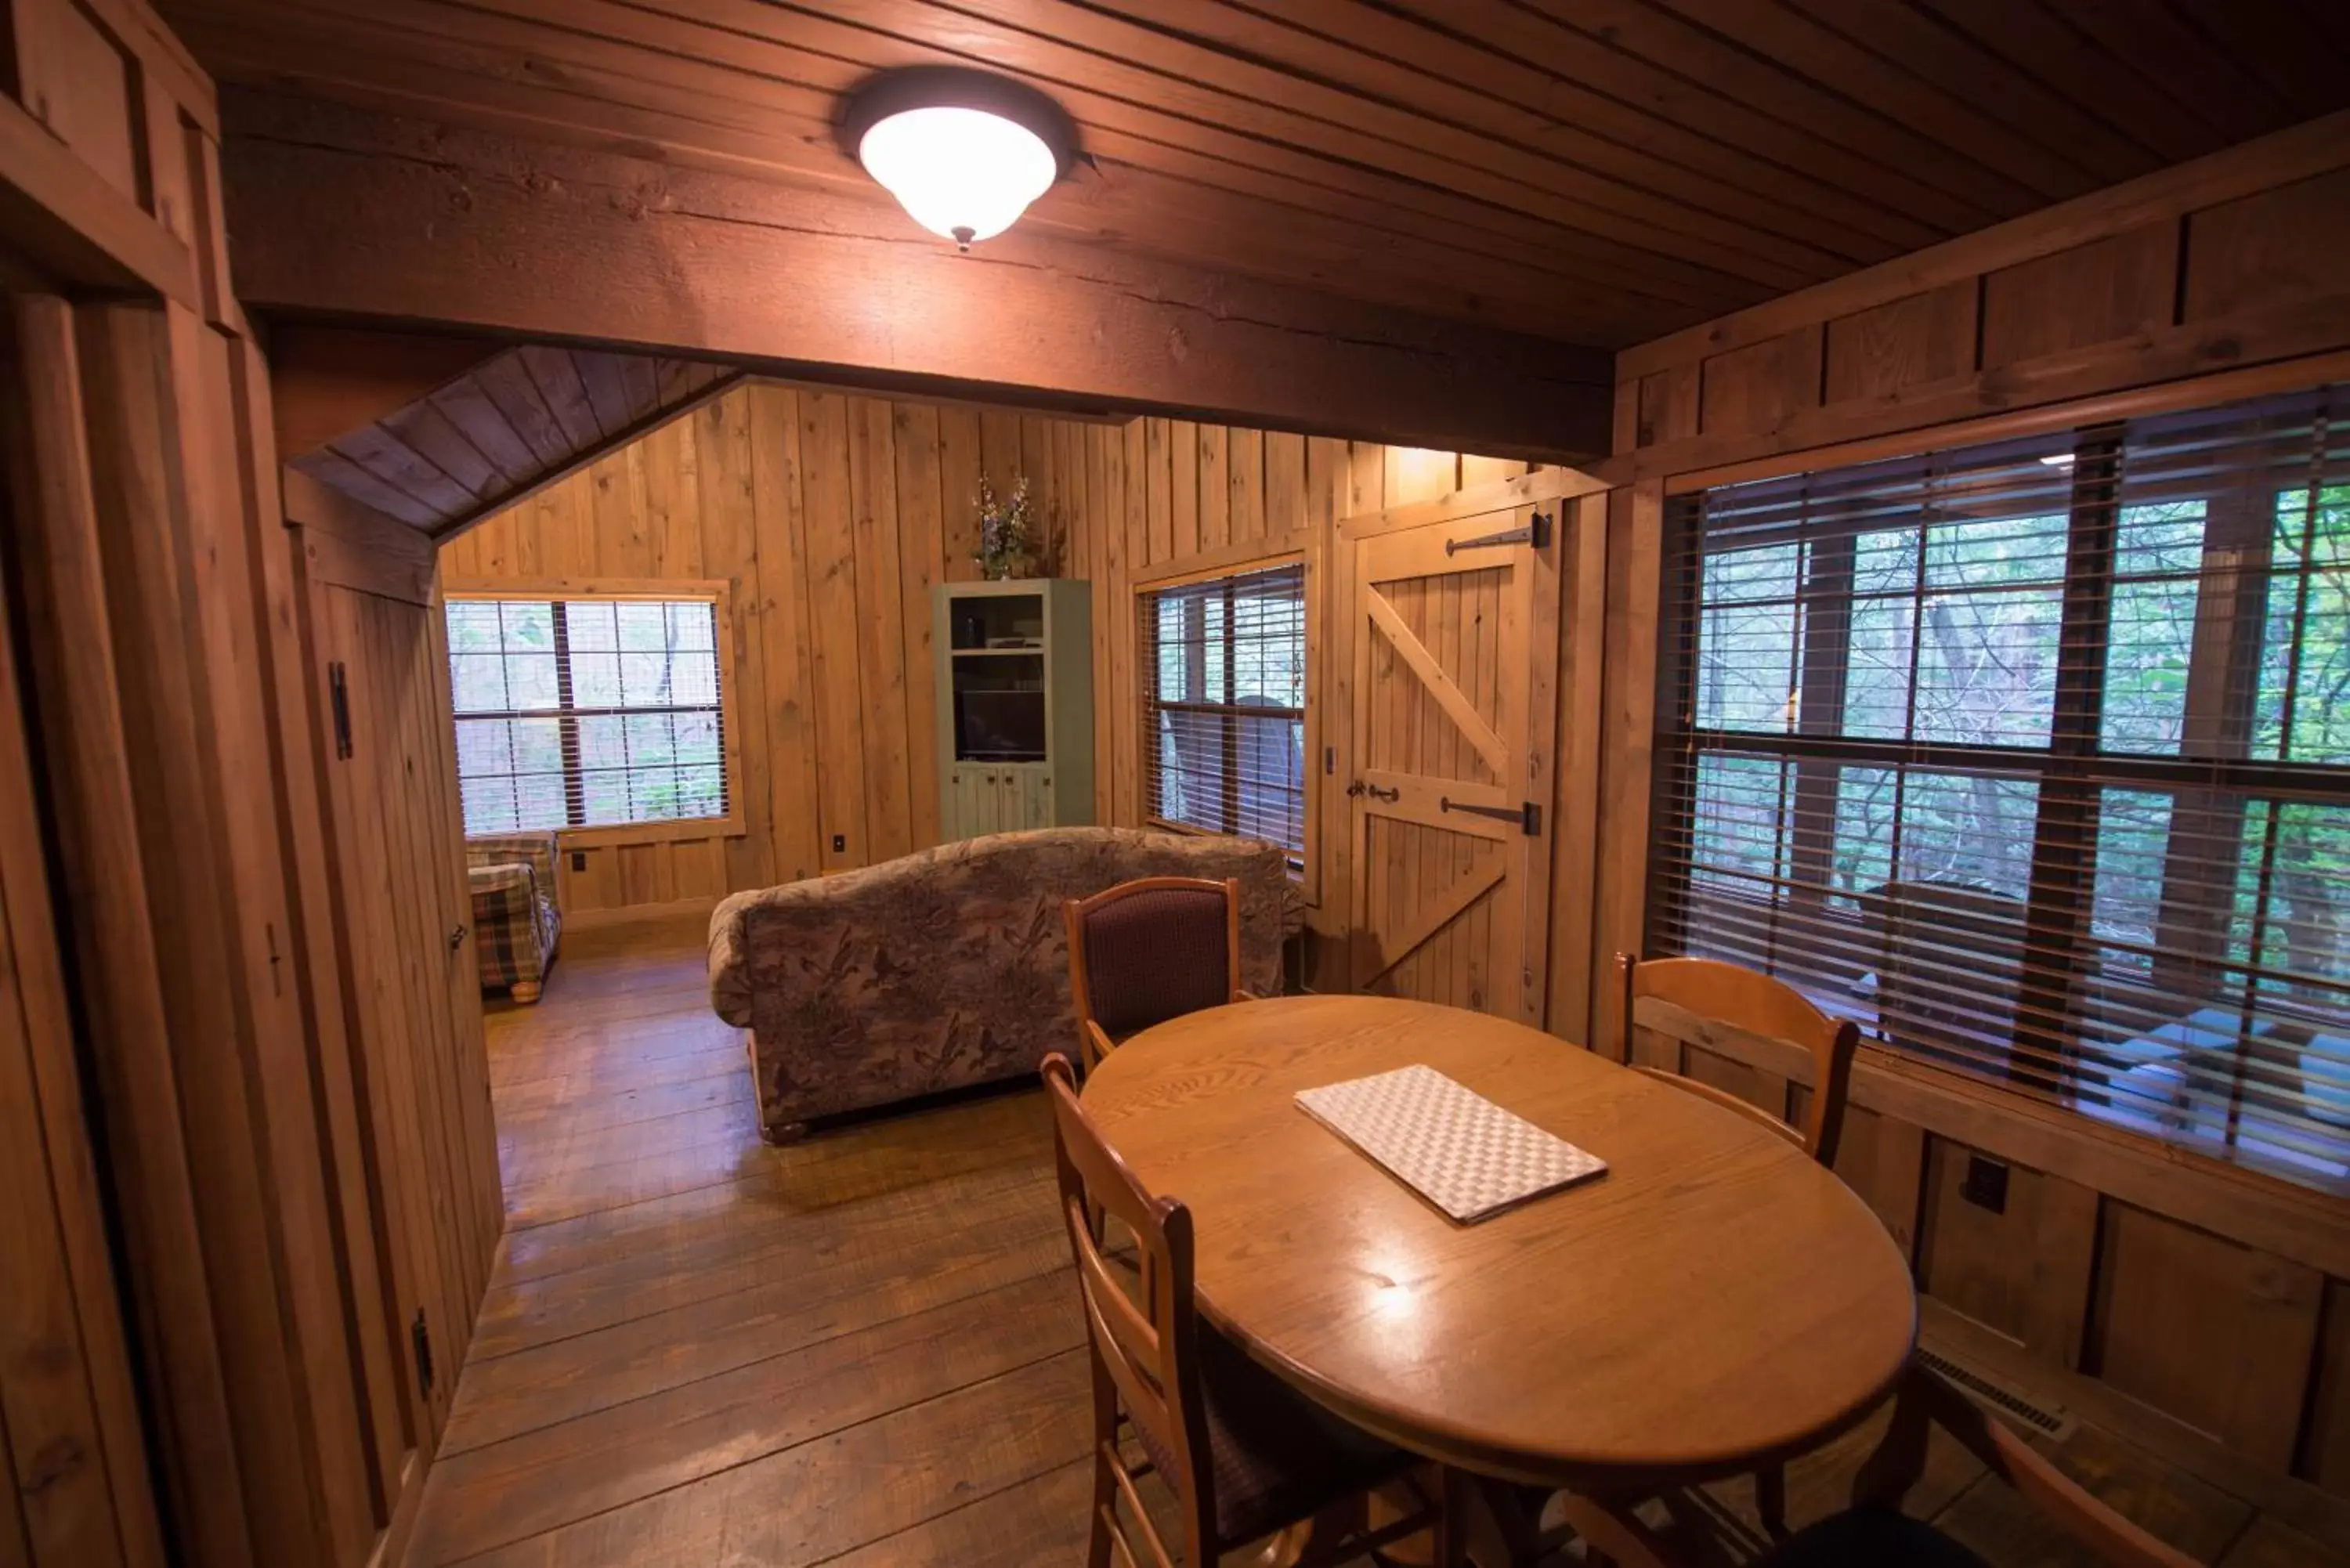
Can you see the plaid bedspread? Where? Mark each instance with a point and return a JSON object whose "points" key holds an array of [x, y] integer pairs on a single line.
{"points": [[515, 921]]}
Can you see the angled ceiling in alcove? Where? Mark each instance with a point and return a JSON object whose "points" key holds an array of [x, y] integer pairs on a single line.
{"points": [[521, 416]]}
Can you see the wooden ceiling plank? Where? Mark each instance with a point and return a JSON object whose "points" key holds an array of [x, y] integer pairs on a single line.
{"points": [[1956, 64], [329, 468], [1096, 86], [1199, 83], [1797, 44], [487, 234], [423, 426], [1514, 298], [399, 465], [1521, 67], [1713, 65], [600, 374], [2176, 57], [512, 388], [1189, 42], [2273, 41], [640, 387], [1589, 270], [470, 409], [2036, 40], [557, 376]]}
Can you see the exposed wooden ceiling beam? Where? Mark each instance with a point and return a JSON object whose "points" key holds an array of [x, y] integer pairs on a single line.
{"points": [[338, 212]]}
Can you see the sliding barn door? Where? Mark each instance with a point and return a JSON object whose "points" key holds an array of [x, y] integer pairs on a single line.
{"points": [[1456, 653], [378, 653]]}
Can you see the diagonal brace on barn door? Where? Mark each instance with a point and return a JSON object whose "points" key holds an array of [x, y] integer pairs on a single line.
{"points": [[1442, 687], [1372, 963]]}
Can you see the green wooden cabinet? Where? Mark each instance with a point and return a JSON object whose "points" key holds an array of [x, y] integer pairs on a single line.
{"points": [[1015, 704]]}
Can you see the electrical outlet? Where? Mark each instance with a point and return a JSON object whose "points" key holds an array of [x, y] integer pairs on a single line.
{"points": [[1986, 1184], [840, 844], [579, 860]]}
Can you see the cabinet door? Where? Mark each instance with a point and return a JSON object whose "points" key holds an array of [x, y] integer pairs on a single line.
{"points": [[1036, 798]]}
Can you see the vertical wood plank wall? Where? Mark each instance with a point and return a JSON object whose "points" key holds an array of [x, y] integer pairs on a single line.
{"points": [[831, 514], [2205, 1310]]}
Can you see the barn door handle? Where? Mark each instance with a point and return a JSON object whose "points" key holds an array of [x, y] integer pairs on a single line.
{"points": [[456, 938], [1528, 817], [1535, 533], [1374, 791]]}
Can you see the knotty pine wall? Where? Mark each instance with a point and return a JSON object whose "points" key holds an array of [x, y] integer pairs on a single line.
{"points": [[831, 516], [2202, 1310]]}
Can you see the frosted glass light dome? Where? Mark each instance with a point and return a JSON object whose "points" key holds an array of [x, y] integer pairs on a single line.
{"points": [[963, 150], [962, 174]]}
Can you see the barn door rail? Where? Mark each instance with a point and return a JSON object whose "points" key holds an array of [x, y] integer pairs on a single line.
{"points": [[1526, 815], [1536, 532]]}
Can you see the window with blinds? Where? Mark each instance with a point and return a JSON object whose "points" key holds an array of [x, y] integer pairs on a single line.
{"points": [[2034, 757], [587, 712], [1223, 705]]}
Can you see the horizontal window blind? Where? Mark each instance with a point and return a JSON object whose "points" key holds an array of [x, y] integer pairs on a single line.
{"points": [[586, 712], [1223, 705], [2034, 757]]}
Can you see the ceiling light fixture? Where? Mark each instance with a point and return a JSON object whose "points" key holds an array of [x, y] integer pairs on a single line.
{"points": [[964, 151]]}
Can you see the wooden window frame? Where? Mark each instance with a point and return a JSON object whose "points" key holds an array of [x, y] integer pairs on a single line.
{"points": [[716, 592], [1301, 548]]}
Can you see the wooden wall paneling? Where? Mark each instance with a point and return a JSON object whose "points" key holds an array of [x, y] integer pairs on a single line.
{"points": [[2025, 1271], [1627, 721], [1157, 493], [1666, 406], [921, 536], [1049, 546], [68, 608], [999, 452], [961, 463], [1183, 465], [1245, 484], [1419, 474], [1215, 487], [1106, 484], [2255, 254], [1574, 812], [2120, 286], [2324, 1455], [727, 492], [1755, 389], [76, 1489], [1284, 484], [832, 599], [1923, 340], [787, 662], [2215, 1333], [881, 630], [81, 84], [226, 530], [194, 876]]}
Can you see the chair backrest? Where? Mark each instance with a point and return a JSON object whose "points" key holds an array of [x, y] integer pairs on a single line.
{"points": [[1757, 1004], [1145, 1331], [1151, 950]]}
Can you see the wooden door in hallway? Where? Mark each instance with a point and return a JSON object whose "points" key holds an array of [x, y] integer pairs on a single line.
{"points": [[377, 648], [1456, 654]]}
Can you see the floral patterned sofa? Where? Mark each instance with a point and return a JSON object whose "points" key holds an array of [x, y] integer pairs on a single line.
{"points": [[950, 966]]}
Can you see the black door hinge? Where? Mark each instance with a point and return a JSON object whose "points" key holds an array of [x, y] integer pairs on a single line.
{"points": [[420, 1337], [339, 695], [1535, 533]]}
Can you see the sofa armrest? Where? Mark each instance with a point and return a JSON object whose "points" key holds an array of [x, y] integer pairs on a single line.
{"points": [[536, 850], [730, 961]]}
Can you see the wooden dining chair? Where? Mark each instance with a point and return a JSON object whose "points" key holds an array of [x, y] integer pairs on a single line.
{"points": [[1246, 1456], [1874, 1532], [1148, 951], [1754, 1003]]}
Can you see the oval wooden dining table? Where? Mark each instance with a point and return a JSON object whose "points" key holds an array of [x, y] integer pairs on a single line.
{"points": [[1716, 1301]]}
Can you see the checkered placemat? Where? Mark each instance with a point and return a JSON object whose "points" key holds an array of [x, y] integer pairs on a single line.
{"points": [[1451, 1145]]}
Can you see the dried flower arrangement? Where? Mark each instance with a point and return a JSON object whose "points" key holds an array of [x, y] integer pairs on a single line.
{"points": [[1002, 531]]}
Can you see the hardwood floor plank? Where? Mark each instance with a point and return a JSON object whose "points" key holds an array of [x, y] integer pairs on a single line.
{"points": [[819, 1499], [543, 1480], [2191, 1514], [1041, 1520]]}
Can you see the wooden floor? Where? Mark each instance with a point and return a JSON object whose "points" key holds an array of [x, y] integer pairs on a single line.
{"points": [[864, 1350]]}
